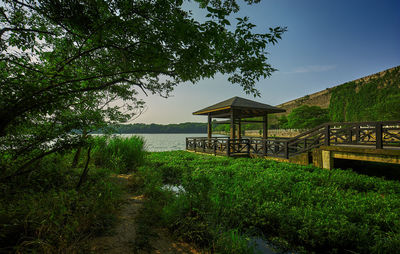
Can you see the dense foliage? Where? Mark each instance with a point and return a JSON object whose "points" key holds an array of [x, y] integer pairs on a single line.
{"points": [[374, 99], [78, 65], [304, 208], [119, 154], [160, 128], [304, 117], [46, 212]]}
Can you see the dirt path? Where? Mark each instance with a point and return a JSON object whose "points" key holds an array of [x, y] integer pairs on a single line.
{"points": [[122, 237]]}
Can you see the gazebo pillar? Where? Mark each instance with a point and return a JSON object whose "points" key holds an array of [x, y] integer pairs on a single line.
{"points": [[239, 129], [265, 126], [233, 129], [209, 127]]}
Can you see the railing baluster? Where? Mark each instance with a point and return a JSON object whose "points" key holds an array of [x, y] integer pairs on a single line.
{"points": [[350, 135], [264, 146], [286, 149]]}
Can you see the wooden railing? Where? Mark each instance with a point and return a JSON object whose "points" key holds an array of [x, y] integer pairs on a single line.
{"points": [[368, 134]]}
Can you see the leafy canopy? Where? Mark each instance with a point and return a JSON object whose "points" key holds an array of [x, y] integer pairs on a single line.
{"points": [[306, 117], [65, 62]]}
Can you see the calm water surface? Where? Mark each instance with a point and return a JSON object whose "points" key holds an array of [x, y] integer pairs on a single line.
{"points": [[166, 141]]}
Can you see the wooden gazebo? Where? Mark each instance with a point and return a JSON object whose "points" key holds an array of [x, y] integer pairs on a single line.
{"points": [[379, 135], [237, 109]]}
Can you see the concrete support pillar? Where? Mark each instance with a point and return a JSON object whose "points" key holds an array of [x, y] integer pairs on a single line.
{"points": [[327, 160]]}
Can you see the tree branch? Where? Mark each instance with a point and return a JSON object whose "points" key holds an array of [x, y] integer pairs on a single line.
{"points": [[21, 171], [47, 16], [5, 15], [24, 30]]}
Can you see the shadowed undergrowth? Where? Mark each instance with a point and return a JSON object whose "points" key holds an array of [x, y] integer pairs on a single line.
{"points": [[45, 212]]}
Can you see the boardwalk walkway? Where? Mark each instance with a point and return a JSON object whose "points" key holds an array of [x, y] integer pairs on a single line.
{"points": [[377, 136]]}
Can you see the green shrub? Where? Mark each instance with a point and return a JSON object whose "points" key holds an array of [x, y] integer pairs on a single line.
{"points": [[300, 207]]}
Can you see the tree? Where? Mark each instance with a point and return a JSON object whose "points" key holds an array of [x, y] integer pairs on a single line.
{"points": [[307, 117], [58, 54], [283, 122]]}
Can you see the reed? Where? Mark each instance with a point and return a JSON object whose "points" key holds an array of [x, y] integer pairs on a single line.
{"points": [[119, 154]]}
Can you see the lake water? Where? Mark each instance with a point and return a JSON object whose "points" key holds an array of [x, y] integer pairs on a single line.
{"points": [[167, 141]]}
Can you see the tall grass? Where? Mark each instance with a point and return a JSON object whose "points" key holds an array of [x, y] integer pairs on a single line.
{"points": [[119, 154], [43, 212]]}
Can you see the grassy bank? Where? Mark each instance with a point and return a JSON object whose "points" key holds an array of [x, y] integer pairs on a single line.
{"points": [[45, 212], [227, 201]]}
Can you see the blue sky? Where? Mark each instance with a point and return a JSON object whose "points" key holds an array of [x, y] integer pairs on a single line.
{"points": [[327, 43]]}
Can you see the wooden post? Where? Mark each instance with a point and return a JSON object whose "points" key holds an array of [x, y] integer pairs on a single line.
{"points": [[209, 127], [232, 136], [215, 146], [357, 133], [327, 140], [186, 143], [286, 149], [265, 127], [194, 144], [228, 147], [379, 141], [239, 129]]}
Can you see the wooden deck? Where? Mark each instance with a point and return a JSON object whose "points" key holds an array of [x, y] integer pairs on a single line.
{"points": [[375, 136]]}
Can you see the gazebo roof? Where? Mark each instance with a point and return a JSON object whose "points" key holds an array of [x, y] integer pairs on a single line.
{"points": [[243, 108]]}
